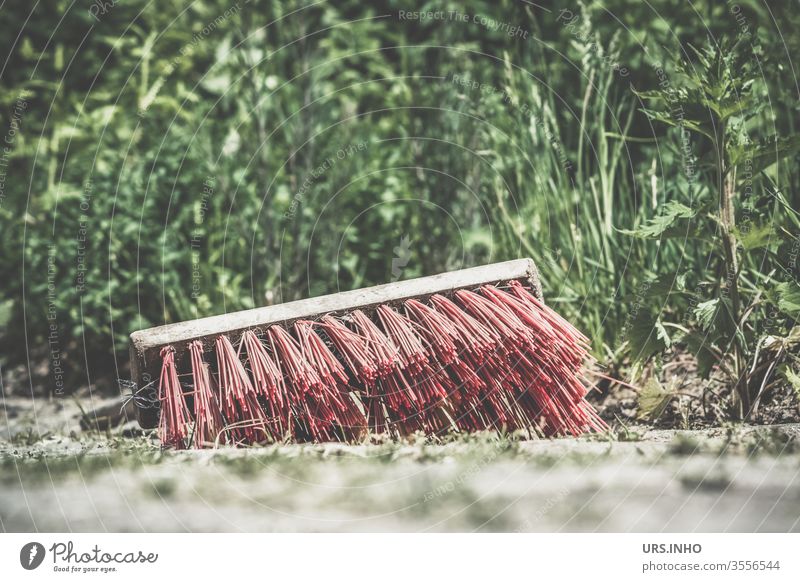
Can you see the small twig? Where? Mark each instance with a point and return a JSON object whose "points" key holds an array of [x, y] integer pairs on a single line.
{"points": [[615, 381]]}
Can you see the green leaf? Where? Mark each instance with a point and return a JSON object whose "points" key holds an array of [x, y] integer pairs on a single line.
{"points": [[761, 155], [793, 378], [706, 357], [706, 312], [653, 400], [663, 286], [647, 336], [789, 298], [672, 213], [756, 237], [775, 343]]}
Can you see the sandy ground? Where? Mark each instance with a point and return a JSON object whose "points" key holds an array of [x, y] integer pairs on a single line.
{"points": [[59, 478]]}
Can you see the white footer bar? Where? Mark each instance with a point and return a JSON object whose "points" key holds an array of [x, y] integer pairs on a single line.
{"points": [[401, 557]]}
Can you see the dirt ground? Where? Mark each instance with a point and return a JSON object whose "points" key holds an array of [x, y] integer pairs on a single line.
{"points": [[57, 477]]}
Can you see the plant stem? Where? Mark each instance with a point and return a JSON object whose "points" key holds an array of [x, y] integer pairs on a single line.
{"points": [[726, 181]]}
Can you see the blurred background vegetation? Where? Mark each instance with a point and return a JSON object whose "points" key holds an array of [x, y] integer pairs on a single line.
{"points": [[166, 161]]}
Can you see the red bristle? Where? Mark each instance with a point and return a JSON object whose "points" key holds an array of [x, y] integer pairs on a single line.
{"points": [[470, 384], [549, 364], [554, 318], [246, 420], [568, 346], [318, 354], [377, 417], [174, 412], [473, 398], [300, 378], [433, 387], [497, 400], [473, 336], [322, 409], [483, 352], [439, 331], [427, 379], [385, 355], [335, 387], [413, 353], [299, 372], [503, 322], [464, 345], [270, 385], [436, 421], [399, 403], [523, 381], [474, 406], [207, 415], [353, 349], [392, 389], [412, 388]]}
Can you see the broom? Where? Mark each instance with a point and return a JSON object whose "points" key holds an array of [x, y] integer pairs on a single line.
{"points": [[470, 350]]}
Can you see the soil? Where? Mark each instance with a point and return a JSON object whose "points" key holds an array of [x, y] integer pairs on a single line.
{"points": [[691, 401], [58, 476]]}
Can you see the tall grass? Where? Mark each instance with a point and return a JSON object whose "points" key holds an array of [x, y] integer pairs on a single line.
{"points": [[294, 149]]}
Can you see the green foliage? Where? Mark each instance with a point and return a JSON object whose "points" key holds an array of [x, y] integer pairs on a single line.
{"points": [[653, 400], [793, 378], [178, 161], [647, 336], [674, 220], [788, 298], [715, 104]]}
